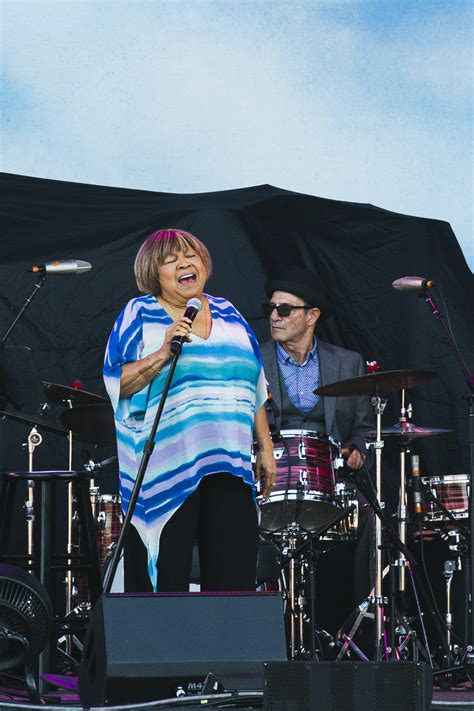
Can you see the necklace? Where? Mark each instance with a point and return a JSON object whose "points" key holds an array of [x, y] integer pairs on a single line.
{"points": [[171, 308]]}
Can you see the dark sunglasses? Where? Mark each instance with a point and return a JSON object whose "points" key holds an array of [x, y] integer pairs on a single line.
{"points": [[282, 309]]}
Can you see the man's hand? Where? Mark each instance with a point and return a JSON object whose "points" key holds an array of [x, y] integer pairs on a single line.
{"points": [[354, 459]]}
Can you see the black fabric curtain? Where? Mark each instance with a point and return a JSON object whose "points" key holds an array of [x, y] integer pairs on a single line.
{"points": [[252, 233]]}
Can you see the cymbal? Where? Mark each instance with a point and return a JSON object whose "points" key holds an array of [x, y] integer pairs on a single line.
{"points": [[382, 382], [33, 420], [407, 430], [61, 394], [93, 423]]}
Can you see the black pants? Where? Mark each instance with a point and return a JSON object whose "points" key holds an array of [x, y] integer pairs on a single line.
{"points": [[221, 516]]}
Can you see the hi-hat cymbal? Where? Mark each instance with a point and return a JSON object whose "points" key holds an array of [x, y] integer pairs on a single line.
{"points": [[381, 382], [93, 423], [407, 430], [63, 394], [33, 421]]}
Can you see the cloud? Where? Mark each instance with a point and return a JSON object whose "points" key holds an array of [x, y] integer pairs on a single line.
{"points": [[334, 99]]}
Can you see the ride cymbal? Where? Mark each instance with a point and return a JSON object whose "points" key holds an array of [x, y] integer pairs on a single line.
{"points": [[407, 430], [33, 421], [381, 382], [63, 394]]}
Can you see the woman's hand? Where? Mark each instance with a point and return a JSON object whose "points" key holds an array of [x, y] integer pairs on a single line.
{"points": [[135, 376], [265, 471], [265, 465], [181, 327]]}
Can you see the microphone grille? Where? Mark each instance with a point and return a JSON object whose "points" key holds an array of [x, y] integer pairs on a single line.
{"points": [[194, 303]]}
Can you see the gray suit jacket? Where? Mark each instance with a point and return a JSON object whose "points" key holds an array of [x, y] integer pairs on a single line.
{"points": [[347, 419]]}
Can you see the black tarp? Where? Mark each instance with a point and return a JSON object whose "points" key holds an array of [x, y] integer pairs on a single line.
{"points": [[252, 233]]}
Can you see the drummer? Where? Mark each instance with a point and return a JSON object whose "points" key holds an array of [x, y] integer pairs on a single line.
{"points": [[296, 362]]}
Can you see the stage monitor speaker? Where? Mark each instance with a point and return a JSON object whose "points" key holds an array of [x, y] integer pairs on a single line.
{"points": [[142, 647], [347, 686]]}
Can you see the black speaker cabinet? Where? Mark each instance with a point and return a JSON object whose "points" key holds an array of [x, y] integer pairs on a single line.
{"points": [[142, 647], [347, 686]]}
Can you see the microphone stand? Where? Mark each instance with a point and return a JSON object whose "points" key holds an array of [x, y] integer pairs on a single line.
{"points": [[470, 398], [147, 452], [27, 303]]}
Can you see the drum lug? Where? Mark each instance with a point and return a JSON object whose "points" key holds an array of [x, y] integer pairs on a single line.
{"points": [[302, 450], [304, 478], [278, 452]]}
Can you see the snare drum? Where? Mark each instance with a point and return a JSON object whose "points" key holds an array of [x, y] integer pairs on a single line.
{"points": [[452, 491], [346, 529], [304, 488]]}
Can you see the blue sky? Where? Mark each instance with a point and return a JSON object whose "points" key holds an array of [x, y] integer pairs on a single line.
{"points": [[359, 101]]}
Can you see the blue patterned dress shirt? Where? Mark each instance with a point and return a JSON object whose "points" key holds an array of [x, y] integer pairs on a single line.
{"points": [[300, 379]]}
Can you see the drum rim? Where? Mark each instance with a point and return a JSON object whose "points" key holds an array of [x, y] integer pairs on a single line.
{"points": [[318, 497], [446, 479], [314, 434]]}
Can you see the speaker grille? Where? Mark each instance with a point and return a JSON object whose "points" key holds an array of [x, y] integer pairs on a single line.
{"points": [[347, 686], [342, 687], [395, 686], [287, 687]]}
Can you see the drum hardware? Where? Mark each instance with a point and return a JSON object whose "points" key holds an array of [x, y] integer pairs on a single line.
{"points": [[298, 568], [376, 384]]}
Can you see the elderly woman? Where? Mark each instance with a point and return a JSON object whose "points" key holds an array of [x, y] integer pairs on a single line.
{"points": [[199, 484]]}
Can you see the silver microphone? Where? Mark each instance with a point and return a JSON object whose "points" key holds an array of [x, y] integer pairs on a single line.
{"points": [[65, 266], [412, 283]]}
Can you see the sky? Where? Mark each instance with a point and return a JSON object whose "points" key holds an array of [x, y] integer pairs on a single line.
{"points": [[364, 101]]}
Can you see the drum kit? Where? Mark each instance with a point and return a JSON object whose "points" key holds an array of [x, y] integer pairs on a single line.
{"points": [[86, 417], [314, 504], [312, 507]]}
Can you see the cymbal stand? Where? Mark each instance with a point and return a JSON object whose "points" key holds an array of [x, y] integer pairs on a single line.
{"points": [[378, 600], [34, 440], [402, 501]]}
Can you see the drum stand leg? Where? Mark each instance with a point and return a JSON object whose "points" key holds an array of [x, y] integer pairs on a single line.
{"points": [[34, 439]]}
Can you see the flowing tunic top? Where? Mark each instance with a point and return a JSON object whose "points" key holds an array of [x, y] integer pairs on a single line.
{"points": [[207, 423]]}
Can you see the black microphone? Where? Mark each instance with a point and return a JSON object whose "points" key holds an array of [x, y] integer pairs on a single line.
{"points": [[66, 266], [193, 307], [416, 485], [412, 283]]}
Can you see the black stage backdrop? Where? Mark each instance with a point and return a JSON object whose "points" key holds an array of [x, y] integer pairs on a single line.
{"points": [[252, 233]]}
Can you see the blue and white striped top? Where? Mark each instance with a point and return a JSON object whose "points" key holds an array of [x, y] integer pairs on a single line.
{"points": [[207, 423]]}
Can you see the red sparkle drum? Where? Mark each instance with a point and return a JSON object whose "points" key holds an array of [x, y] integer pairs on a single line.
{"points": [[108, 524], [304, 489], [452, 491], [108, 518]]}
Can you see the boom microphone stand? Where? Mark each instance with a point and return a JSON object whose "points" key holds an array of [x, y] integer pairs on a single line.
{"points": [[426, 294]]}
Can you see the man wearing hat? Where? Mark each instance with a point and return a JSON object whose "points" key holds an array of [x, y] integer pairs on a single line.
{"points": [[296, 362]]}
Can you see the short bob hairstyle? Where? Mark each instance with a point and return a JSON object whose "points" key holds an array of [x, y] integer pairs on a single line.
{"points": [[156, 249]]}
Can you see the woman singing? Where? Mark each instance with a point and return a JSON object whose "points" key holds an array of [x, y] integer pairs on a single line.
{"points": [[199, 482]]}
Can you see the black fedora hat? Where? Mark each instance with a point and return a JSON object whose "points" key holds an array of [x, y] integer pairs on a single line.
{"points": [[305, 284]]}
